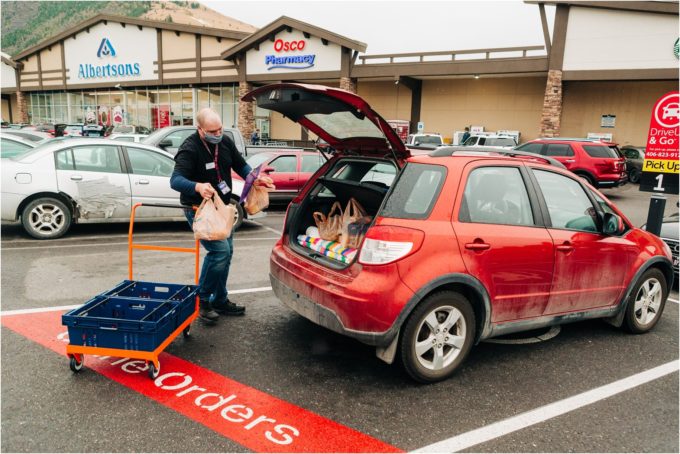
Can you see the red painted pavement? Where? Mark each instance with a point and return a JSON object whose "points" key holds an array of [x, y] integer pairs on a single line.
{"points": [[250, 417]]}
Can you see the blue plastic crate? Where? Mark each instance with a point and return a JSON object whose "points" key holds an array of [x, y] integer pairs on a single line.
{"points": [[132, 316]]}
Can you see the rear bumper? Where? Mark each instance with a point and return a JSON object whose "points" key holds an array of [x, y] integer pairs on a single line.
{"points": [[612, 181], [360, 302]]}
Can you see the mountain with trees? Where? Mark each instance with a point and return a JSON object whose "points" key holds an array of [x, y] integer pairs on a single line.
{"points": [[25, 24]]}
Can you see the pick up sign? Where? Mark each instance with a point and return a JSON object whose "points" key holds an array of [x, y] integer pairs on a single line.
{"points": [[660, 169]]}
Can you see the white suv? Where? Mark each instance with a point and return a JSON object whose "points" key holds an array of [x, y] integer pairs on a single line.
{"points": [[491, 141]]}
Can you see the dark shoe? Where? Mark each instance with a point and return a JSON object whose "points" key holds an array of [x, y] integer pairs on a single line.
{"points": [[229, 308], [206, 312]]}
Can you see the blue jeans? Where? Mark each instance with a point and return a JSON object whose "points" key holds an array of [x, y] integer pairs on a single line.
{"points": [[215, 269]]}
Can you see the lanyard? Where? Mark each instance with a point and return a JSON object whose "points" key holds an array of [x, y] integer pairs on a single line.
{"points": [[215, 156]]}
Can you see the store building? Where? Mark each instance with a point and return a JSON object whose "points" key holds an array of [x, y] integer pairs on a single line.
{"points": [[601, 72]]}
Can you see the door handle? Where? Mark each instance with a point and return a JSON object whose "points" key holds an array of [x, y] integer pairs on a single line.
{"points": [[565, 247], [291, 179], [570, 160], [143, 182], [76, 178], [477, 245]]}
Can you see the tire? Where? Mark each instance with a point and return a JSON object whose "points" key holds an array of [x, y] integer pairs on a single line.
{"points": [[646, 303], [428, 352], [46, 218], [588, 179], [240, 214], [634, 176], [153, 372], [74, 364]]}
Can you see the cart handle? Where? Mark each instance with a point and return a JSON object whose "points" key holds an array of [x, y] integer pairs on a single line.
{"points": [[132, 246]]}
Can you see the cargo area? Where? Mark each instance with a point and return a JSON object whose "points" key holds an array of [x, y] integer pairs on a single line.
{"points": [[366, 180]]}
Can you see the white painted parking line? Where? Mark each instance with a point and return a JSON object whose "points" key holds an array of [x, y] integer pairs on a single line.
{"points": [[68, 308], [541, 414], [673, 301], [266, 228], [80, 245]]}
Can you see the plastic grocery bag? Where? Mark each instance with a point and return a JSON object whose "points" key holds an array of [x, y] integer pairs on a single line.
{"points": [[213, 220], [355, 223], [258, 196], [329, 226]]}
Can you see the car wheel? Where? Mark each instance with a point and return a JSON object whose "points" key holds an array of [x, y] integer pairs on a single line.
{"points": [[46, 218], [588, 179], [634, 176], [437, 337], [646, 302], [238, 217]]}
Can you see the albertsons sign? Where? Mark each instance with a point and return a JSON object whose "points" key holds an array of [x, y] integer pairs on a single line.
{"points": [[111, 53]]}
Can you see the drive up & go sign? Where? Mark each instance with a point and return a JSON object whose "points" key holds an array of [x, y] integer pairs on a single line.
{"points": [[660, 169]]}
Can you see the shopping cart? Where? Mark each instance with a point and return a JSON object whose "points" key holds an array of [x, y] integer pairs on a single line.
{"points": [[135, 319]]}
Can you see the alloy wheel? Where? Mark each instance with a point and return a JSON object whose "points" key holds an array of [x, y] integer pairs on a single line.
{"points": [[46, 218], [440, 338], [648, 301]]}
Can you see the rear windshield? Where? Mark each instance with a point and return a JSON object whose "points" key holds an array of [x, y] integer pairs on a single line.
{"points": [[600, 151], [416, 192]]}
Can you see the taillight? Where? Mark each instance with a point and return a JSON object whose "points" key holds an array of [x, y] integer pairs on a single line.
{"points": [[386, 244]]}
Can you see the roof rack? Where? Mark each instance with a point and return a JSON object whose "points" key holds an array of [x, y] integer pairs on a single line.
{"points": [[485, 151]]}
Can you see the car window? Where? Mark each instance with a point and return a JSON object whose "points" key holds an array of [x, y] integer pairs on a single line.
{"points": [[284, 164], [496, 195], [603, 205], [630, 154], [258, 159], [177, 137], [65, 160], [600, 151], [470, 141], [380, 173], [311, 163], [559, 149], [568, 205], [500, 142], [416, 192], [97, 158], [125, 138], [531, 148], [364, 171], [9, 148], [145, 162]]}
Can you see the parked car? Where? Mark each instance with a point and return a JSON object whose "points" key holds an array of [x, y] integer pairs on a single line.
{"points": [[128, 137], [171, 137], [95, 130], [290, 170], [75, 129], [425, 140], [461, 246], [53, 129], [599, 163], [31, 136], [130, 129], [635, 158], [11, 145], [491, 140]]}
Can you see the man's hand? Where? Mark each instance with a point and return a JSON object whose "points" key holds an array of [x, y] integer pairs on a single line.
{"points": [[205, 189], [265, 181]]}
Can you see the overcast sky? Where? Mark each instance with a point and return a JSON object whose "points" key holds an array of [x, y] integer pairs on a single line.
{"points": [[406, 26]]}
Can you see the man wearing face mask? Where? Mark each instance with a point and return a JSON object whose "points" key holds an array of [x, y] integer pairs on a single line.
{"points": [[203, 166]]}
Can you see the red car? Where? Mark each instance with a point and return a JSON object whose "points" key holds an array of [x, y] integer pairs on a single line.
{"points": [[599, 163], [290, 170], [462, 246]]}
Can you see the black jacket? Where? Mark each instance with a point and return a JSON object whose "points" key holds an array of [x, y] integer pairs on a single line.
{"points": [[192, 161]]}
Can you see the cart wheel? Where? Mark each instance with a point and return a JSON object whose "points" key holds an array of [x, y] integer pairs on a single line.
{"points": [[153, 372], [187, 331], [74, 364]]}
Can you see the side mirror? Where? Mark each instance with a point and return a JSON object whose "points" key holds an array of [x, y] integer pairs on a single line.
{"points": [[165, 143], [612, 224], [268, 170], [416, 144]]}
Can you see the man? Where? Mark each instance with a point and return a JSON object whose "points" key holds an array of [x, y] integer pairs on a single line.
{"points": [[465, 137], [203, 166], [255, 137]]}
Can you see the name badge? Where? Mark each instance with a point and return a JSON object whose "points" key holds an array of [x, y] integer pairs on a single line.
{"points": [[210, 165], [223, 187]]}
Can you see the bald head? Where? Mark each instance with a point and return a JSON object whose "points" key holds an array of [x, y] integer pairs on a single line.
{"points": [[208, 122]]}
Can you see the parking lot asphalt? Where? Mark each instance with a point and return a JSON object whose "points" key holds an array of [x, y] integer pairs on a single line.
{"points": [[591, 388]]}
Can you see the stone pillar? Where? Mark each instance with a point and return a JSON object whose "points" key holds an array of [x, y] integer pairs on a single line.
{"points": [[246, 112], [22, 104], [349, 84], [552, 105]]}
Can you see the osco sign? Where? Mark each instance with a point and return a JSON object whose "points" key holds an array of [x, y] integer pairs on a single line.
{"points": [[289, 61]]}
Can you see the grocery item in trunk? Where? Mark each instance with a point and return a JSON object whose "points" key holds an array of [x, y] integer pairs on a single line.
{"points": [[356, 217], [329, 226], [213, 220], [331, 249]]}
